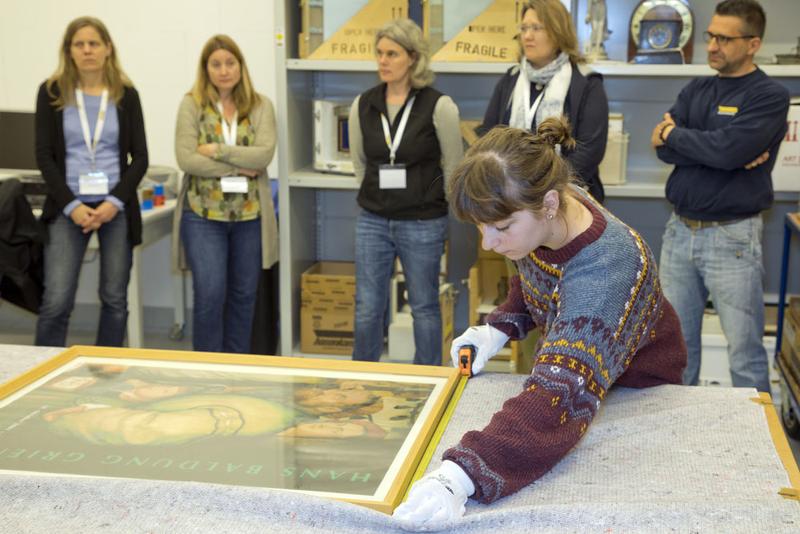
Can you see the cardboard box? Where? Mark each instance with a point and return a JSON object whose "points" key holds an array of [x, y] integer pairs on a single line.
{"points": [[331, 280], [488, 286], [793, 309], [327, 313], [311, 22], [791, 325], [327, 329], [789, 364], [401, 338], [715, 364], [614, 167], [447, 302]]}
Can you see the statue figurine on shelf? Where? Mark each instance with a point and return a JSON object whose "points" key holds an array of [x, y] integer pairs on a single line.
{"points": [[597, 17]]}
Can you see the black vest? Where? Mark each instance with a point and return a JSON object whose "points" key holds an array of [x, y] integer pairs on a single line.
{"points": [[423, 197]]}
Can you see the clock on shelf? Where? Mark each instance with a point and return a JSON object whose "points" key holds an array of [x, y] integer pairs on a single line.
{"points": [[661, 31]]}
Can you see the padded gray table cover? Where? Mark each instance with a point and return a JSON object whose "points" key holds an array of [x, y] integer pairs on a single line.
{"points": [[665, 459]]}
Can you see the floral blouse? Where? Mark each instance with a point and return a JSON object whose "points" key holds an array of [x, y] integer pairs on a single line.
{"points": [[205, 194]]}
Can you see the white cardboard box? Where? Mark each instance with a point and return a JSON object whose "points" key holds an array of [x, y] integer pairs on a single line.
{"points": [[714, 367], [614, 167]]}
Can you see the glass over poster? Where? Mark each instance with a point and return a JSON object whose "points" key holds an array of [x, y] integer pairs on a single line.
{"points": [[347, 430]]}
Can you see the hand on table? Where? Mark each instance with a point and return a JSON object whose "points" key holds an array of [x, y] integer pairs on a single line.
{"points": [[436, 500]]}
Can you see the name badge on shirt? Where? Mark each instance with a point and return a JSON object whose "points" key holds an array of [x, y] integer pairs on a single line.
{"points": [[234, 184], [93, 183], [727, 110], [392, 176]]}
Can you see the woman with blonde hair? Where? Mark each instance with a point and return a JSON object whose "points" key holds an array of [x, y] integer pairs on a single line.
{"points": [[404, 141], [551, 80], [587, 280], [92, 153], [224, 220]]}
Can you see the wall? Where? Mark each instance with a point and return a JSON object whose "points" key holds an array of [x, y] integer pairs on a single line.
{"points": [[159, 44]]}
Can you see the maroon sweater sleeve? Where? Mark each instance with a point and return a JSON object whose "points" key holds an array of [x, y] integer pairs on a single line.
{"points": [[512, 317], [537, 428]]}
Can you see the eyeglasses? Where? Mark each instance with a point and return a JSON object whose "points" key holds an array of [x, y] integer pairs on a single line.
{"points": [[722, 40], [525, 28]]}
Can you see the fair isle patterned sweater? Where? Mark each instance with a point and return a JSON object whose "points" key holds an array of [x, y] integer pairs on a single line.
{"points": [[604, 321]]}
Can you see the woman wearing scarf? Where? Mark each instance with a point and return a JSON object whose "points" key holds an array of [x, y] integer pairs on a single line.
{"points": [[549, 82]]}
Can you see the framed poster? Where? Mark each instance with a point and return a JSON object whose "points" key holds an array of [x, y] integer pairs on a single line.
{"points": [[353, 431]]}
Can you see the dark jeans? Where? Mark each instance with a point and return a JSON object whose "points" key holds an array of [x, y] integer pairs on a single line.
{"points": [[225, 259], [63, 257], [419, 244]]}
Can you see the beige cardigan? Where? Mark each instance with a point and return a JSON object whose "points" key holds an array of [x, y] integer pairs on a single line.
{"points": [[258, 156]]}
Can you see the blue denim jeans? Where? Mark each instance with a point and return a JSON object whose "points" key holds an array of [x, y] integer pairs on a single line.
{"points": [[419, 244], [725, 263], [225, 259], [63, 258]]}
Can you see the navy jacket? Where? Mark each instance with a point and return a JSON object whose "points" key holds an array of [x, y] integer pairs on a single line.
{"points": [[723, 124], [586, 107], [51, 155]]}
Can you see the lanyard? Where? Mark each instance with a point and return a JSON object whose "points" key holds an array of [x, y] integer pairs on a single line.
{"points": [[228, 130], [393, 144], [531, 113], [91, 144]]}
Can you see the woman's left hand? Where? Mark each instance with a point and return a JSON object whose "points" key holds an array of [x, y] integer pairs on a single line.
{"points": [[436, 500], [209, 150], [102, 214]]}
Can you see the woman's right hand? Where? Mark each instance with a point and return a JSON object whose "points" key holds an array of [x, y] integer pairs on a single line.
{"points": [[487, 341], [252, 173], [83, 216]]}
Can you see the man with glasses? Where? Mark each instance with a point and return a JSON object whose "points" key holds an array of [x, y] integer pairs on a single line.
{"points": [[722, 135]]}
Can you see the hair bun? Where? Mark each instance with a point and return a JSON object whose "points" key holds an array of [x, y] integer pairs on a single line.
{"points": [[555, 131]]}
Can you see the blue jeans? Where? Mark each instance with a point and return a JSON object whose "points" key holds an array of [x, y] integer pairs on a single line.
{"points": [[225, 259], [419, 244], [63, 257], [725, 263]]}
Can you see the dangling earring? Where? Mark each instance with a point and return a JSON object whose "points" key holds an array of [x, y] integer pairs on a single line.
{"points": [[549, 216]]}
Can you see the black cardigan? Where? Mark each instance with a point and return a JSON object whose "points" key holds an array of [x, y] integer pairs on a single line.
{"points": [[586, 107], [51, 157]]}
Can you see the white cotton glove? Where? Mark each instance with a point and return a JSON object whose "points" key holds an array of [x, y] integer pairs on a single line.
{"points": [[436, 500], [487, 340]]}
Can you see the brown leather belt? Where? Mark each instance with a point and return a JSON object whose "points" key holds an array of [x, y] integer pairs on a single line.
{"points": [[694, 224]]}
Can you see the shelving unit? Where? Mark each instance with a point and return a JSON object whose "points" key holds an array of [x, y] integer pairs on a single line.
{"points": [[607, 68], [318, 210]]}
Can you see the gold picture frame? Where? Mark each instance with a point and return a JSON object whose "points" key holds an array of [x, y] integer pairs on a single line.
{"points": [[353, 431]]}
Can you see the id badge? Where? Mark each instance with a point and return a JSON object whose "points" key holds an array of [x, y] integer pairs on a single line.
{"points": [[234, 184], [392, 176], [93, 183]]}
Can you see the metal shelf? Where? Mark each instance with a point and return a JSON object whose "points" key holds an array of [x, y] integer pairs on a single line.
{"points": [[607, 68], [310, 178]]}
